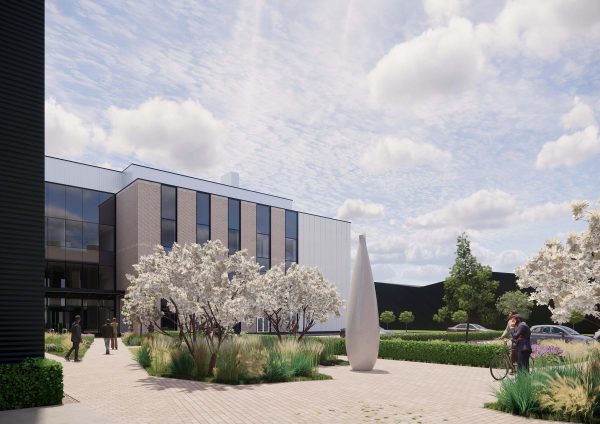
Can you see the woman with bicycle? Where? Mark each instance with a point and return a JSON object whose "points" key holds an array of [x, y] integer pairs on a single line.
{"points": [[522, 339]]}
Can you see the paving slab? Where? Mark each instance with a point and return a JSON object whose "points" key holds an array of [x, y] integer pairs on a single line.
{"points": [[115, 388]]}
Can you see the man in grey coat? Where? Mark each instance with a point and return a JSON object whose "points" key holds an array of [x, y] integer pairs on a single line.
{"points": [[75, 338], [107, 332]]}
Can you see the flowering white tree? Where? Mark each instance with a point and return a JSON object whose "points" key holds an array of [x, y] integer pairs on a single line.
{"points": [[566, 277], [205, 289], [296, 300]]}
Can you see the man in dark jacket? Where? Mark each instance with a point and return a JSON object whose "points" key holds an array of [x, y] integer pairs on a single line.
{"points": [[107, 333], [75, 338], [522, 339]]}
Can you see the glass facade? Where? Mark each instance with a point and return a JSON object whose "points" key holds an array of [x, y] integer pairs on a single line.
{"points": [[80, 254], [291, 238], [233, 226], [263, 237], [168, 216], [202, 217]]}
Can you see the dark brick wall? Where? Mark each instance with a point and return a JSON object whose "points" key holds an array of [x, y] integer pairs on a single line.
{"points": [[21, 180]]}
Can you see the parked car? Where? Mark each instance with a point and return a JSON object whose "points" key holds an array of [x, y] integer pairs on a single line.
{"points": [[558, 332], [384, 331], [472, 327]]}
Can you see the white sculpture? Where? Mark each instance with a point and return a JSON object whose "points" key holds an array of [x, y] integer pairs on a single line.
{"points": [[362, 326]]}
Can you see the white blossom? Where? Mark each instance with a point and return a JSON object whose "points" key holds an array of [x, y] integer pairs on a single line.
{"points": [[296, 300], [566, 277]]}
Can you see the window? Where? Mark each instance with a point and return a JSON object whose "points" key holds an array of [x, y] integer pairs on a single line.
{"points": [[202, 218], [234, 225], [263, 237], [291, 238], [82, 221], [55, 232], [74, 203], [168, 214], [262, 325]]}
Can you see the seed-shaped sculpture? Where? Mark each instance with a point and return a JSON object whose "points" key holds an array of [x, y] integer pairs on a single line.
{"points": [[362, 323]]}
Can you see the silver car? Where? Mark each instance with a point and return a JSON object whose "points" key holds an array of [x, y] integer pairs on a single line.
{"points": [[557, 332]]}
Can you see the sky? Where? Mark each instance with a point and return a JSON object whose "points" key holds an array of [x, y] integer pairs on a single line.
{"points": [[414, 120]]}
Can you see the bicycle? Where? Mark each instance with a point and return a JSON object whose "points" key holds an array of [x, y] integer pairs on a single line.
{"points": [[501, 365]]}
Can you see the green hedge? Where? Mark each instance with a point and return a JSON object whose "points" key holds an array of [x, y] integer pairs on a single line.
{"points": [[439, 352], [33, 382], [448, 336]]}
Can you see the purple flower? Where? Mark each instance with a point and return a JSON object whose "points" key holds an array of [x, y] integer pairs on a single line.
{"points": [[538, 350]]}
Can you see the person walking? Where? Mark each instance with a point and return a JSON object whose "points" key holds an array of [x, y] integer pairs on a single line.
{"points": [[115, 333], [75, 339], [106, 332], [522, 338]]}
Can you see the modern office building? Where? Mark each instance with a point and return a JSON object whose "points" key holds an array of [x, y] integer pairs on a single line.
{"points": [[100, 221]]}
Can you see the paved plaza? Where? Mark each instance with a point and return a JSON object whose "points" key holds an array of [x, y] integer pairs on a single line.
{"points": [[115, 389]]}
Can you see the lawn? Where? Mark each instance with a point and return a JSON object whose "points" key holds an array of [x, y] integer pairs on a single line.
{"points": [[59, 344]]}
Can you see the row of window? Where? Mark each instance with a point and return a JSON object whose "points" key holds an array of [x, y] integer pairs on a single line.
{"points": [[263, 237], [79, 204], [79, 235], [71, 275]]}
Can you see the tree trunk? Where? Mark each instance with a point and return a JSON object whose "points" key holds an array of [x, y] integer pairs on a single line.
{"points": [[467, 332], [406, 328], [211, 364]]}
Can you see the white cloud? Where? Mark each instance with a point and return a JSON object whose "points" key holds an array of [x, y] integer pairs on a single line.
{"points": [[66, 134], [440, 61], [508, 260], [581, 116], [540, 29], [357, 209], [425, 273], [569, 150], [179, 135], [440, 11], [390, 153], [546, 212], [483, 209], [382, 272]]}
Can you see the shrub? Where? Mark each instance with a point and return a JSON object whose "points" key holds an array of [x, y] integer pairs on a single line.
{"points": [[228, 368], [32, 382], [519, 395], [201, 358], [440, 352], [448, 336], [277, 368], [130, 339], [182, 364], [253, 358], [160, 349], [143, 356]]}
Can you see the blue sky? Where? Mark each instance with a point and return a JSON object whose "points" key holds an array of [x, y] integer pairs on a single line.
{"points": [[414, 120]]}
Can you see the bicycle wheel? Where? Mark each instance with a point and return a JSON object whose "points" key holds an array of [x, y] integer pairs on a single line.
{"points": [[499, 367]]}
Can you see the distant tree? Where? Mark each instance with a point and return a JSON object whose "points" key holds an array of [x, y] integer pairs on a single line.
{"points": [[516, 301], [460, 316], [576, 318], [469, 288], [406, 317], [387, 317]]}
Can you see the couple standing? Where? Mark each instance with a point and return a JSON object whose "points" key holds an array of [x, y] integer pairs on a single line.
{"points": [[520, 334], [110, 331]]}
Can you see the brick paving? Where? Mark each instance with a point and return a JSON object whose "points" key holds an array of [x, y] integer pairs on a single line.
{"points": [[115, 387]]}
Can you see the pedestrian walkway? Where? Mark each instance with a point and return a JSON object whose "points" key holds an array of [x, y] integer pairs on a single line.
{"points": [[116, 388]]}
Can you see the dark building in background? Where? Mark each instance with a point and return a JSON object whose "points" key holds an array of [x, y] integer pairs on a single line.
{"points": [[424, 301], [21, 180]]}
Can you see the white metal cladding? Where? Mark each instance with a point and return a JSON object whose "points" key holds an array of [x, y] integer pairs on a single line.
{"points": [[81, 175], [87, 176], [325, 243]]}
